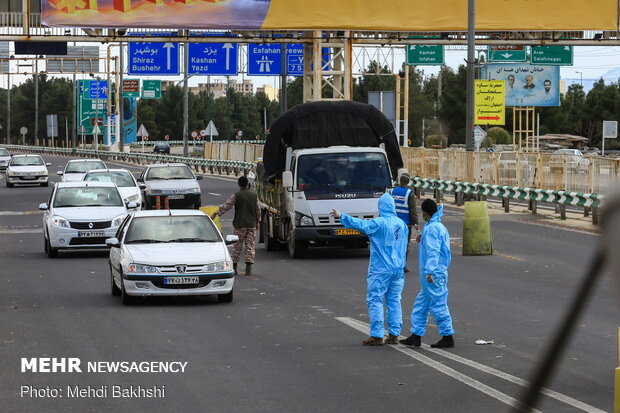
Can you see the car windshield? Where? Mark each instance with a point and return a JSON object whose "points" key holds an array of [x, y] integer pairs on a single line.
{"points": [[120, 178], [26, 161], [341, 172], [196, 228], [87, 196], [4, 152], [82, 167], [169, 172]]}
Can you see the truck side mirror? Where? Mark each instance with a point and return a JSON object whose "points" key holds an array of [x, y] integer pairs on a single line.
{"points": [[287, 179]]}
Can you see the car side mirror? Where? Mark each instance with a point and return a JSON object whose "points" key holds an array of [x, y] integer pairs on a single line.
{"points": [[287, 179], [48, 164], [43, 206], [231, 239], [141, 185], [199, 178], [59, 173], [131, 205], [113, 243]]}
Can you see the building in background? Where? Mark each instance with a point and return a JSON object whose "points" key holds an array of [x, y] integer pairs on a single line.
{"points": [[272, 93]]}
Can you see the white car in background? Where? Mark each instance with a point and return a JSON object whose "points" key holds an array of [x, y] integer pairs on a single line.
{"points": [[27, 169], [77, 168], [5, 157], [82, 215], [170, 253], [122, 178]]}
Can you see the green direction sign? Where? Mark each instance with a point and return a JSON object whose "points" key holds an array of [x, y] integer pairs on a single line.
{"points": [[506, 54], [89, 110], [421, 55], [151, 89], [552, 55]]}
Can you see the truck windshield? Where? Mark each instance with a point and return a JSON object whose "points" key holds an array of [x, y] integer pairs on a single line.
{"points": [[356, 171]]}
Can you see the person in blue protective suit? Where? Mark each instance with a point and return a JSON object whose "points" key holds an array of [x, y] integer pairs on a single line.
{"points": [[404, 198], [388, 242], [434, 259]]}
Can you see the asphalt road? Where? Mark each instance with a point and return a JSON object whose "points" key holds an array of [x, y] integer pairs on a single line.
{"points": [[290, 340]]}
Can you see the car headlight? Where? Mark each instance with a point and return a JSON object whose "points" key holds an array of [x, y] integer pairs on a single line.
{"points": [[193, 190], [60, 222], [118, 220], [42, 172], [303, 220], [142, 268], [217, 266], [11, 173]]}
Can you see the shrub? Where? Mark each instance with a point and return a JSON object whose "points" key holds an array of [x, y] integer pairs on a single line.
{"points": [[499, 136], [434, 141]]}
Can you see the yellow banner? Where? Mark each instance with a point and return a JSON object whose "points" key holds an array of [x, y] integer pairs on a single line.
{"points": [[445, 15], [390, 15], [490, 101]]}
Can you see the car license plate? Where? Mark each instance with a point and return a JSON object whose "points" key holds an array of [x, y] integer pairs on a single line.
{"points": [[180, 280], [176, 196], [90, 234], [346, 231], [29, 177]]}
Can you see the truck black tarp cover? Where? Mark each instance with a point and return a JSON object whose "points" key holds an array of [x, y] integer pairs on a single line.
{"points": [[323, 124]]}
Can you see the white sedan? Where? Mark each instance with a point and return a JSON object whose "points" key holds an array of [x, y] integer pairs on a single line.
{"points": [[82, 215], [27, 169], [170, 253], [77, 168], [127, 185]]}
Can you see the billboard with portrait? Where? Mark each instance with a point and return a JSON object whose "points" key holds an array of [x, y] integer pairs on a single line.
{"points": [[526, 84], [394, 15]]}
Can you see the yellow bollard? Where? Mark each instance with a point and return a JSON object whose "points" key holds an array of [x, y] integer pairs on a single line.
{"points": [[477, 238], [210, 209], [617, 388]]}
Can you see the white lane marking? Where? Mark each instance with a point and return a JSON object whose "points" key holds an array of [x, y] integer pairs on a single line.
{"points": [[12, 213], [504, 398], [21, 231], [490, 370], [213, 193]]}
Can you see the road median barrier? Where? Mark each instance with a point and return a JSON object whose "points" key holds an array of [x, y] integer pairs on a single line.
{"points": [[477, 237]]}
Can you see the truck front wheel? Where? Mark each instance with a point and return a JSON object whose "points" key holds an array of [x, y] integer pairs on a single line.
{"points": [[296, 249]]}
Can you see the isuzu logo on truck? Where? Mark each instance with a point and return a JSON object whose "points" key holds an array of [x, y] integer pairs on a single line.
{"points": [[348, 196]]}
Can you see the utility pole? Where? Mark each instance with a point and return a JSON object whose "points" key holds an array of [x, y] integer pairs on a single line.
{"points": [[471, 67], [283, 76], [121, 132], [185, 101], [36, 102], [8, 106], [74, 114]]}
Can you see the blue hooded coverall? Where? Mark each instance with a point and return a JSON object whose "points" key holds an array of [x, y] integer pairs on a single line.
{"points": [[434, 258], [388, 244]]}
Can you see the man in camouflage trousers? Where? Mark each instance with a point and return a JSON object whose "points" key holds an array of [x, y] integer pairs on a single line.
{"points": [[245, 223]]}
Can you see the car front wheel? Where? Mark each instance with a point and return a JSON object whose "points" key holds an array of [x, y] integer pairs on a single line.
{"points": [[51, 252], [125, 298], [225, 298], [115, 290]]}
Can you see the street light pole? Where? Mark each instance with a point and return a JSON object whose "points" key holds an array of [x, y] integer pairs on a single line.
{"points": [[185, 102], [580, 77], [471, 49]]}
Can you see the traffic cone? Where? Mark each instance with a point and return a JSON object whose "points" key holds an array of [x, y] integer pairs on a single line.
{"points": [[477, 238]]}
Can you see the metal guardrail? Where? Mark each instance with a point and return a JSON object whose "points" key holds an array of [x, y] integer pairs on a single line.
{"points": [[511, 192], [590, 202], [219, 166]]}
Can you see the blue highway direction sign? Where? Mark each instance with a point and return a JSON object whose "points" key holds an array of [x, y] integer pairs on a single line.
{"points": [[265, 59], [213, 59], [150, 58]]}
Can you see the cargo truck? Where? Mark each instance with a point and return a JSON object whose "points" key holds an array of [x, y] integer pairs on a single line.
{"points": [[319, 156]]}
